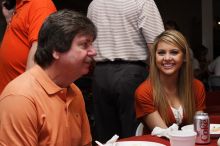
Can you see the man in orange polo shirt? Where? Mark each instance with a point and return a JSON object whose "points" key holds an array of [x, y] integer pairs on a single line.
{"points": [[42, 106], [20, 39]]}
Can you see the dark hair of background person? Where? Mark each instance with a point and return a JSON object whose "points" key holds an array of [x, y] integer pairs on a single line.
{"points": [[170, 24], [201, 52], [9, 4], [57, 33]]}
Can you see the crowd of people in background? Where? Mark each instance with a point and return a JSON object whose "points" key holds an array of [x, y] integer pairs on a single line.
{"points": [[144, 72]]}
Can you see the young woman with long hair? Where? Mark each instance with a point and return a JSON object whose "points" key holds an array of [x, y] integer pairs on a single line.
{"points": [[170, 94]]}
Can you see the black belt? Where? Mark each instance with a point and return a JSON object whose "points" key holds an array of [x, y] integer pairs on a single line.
{"points": [[120, 61]]}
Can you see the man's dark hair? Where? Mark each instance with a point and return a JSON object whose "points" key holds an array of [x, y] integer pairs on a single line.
{"points": [[58, 32]]}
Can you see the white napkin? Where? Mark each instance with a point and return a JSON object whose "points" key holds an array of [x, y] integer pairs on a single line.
{"points": [[218, 142], [110, 142], [164, 132], [113, 139]]}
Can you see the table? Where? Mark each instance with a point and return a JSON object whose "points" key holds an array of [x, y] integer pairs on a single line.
{"points": [[162, 140]]}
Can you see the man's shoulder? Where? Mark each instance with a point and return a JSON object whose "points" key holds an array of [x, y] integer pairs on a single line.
{"points": [[22, 85]]}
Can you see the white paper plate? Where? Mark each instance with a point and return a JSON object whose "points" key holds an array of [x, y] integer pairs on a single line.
{"points": [[137, 143], [214, 129], [188, 127]]}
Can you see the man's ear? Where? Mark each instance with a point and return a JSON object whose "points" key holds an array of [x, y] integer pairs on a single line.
{"points": [[56, 55]]}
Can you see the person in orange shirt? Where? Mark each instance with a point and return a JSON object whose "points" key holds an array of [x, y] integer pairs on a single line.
{"points": [[43, 106], [170, 94], [20, 39]]}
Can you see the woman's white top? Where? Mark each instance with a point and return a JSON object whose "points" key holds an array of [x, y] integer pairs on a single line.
{"points": [[178, 114]]}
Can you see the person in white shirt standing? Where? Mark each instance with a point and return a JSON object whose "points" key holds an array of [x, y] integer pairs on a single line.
{"points": [[126, 31]]}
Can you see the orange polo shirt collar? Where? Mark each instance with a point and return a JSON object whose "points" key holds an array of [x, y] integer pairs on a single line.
{"points": [[49, 86]]}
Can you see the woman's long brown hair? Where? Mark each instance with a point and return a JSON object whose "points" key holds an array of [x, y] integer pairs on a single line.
{"points": [[185, 77]]}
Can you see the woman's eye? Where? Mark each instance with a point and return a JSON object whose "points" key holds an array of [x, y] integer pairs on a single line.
{"points": [[174, 52], [161, 52]]}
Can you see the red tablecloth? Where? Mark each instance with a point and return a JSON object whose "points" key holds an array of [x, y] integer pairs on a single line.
{"points": [[161, 140]]}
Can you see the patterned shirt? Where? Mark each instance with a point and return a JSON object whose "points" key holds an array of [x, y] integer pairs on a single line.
{"points": [[124, 28]]}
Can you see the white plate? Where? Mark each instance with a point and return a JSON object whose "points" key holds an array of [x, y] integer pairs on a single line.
{"points": [[137, 143], [214, 129], [188, 127]]}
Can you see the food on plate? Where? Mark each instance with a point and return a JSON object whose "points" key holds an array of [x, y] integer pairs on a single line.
{"points": [[215, 129]]}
